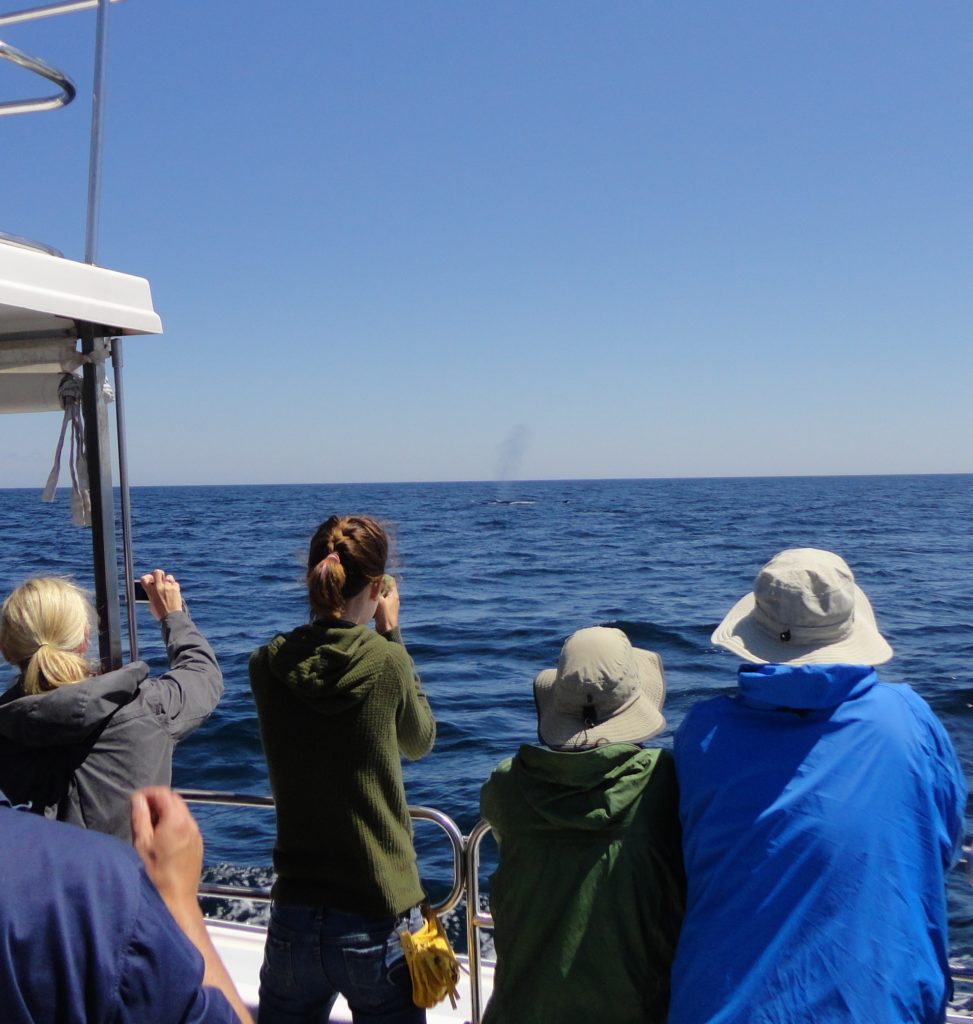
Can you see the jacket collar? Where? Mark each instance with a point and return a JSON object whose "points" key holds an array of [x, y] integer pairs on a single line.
{"points": [[803, 687], [69, 713]]}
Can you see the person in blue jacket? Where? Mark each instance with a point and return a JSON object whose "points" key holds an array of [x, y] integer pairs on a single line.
{"points": [[92, 931], [821, 809]]}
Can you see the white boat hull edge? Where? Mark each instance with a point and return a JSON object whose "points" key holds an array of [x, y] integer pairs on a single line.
{"points": [[241, 948]]}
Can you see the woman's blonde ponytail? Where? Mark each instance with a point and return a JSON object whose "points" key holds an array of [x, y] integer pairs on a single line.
{"points": [[44, 628]]}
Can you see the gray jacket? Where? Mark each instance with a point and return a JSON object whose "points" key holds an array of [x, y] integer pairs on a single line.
{"points": [[77, 752]]}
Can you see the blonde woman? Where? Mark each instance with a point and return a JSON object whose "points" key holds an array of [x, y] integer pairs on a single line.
{"points": [[74, 744]]}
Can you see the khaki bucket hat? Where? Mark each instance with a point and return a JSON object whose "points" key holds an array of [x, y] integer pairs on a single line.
{"points": [[603, 690], [805, 608]]}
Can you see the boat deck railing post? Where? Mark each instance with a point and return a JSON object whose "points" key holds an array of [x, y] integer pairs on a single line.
{"points": [[97, 444], [475, 918]]}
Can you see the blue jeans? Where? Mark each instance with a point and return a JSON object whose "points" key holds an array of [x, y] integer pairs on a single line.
{"points": [[313, 953]]}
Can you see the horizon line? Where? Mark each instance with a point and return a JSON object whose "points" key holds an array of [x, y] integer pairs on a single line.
{"points": [[525, 480]]}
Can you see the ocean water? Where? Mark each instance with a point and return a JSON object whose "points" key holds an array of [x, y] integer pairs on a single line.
{"points": [[494, 575]]}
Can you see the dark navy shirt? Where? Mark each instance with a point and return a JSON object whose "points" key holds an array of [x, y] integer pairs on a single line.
{"points": [[85, 937], [820, 810]]}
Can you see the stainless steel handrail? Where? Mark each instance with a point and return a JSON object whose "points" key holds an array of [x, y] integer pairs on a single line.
{"points": [[475, 918], [458, 843], [417, 813], [28, 243], [38, 67], [49, 11], [216, 797]]}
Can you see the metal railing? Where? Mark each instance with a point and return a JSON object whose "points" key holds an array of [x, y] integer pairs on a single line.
{"points": [[262, 895], [34, 64], [466, 881], [476, 919], [28, 243], [466, 863], [49, 11], [38, 67]]}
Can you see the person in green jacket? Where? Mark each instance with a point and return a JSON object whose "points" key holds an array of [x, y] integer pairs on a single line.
{"points": [[338, 703], [589, 892]]}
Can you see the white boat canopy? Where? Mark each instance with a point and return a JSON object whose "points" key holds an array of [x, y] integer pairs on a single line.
{"points": [[48, 303], [43, 296]]}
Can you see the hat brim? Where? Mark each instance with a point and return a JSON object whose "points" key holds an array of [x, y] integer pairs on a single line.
{"points": [[864, 645], [638, 720]]}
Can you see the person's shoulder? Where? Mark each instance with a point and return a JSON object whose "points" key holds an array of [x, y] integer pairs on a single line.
{"points": [[258, 657], [903, 698], [656, 765], [503, 768], [704, 712], [390, 650], [498, 784], [901, 711], [506, 773], [82, 851]]}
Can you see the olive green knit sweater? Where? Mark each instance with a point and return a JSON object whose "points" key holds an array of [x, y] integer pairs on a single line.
{"points": [[337, 703]]}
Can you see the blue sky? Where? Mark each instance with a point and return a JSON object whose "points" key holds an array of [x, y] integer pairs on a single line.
{"points": [[454, 240]]}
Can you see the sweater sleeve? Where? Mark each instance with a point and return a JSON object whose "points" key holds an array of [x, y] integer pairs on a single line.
{"points": [[185, 696], [415, 725]]}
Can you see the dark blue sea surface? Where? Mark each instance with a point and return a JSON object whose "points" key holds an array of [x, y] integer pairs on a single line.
{"points": [[493, 576]]}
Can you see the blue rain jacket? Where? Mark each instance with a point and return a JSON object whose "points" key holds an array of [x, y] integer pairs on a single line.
{"points": [[85, 937], [820, 811]]}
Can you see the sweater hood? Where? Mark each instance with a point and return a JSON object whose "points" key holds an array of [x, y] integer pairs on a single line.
{"points": [[322, 664], [588, 791], [70, 713], [803, 687]]}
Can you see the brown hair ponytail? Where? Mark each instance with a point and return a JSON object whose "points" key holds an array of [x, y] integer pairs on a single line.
{"points": [[346, 554]]}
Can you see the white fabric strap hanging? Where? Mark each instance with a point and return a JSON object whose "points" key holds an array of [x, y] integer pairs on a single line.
{"points": [[69, 393], [35, 376]]}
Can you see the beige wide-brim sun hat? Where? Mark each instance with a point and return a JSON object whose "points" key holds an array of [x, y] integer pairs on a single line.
{"points": [[603, 690], [805, 608]]}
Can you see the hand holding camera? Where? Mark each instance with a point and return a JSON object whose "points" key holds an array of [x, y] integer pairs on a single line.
{"points": [[387, 609]]}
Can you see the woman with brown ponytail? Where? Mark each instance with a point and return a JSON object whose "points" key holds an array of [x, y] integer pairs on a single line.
{"points": [[75, 744], [338, 703]]}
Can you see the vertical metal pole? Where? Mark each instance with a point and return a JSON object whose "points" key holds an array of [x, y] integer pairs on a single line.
{"points": [[117, 362], [474, 917], [99, 451], [97, 443], [94, 151]]}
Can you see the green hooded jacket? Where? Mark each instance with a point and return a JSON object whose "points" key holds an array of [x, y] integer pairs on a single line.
{"points": [[589, 893], [337, 704]]}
